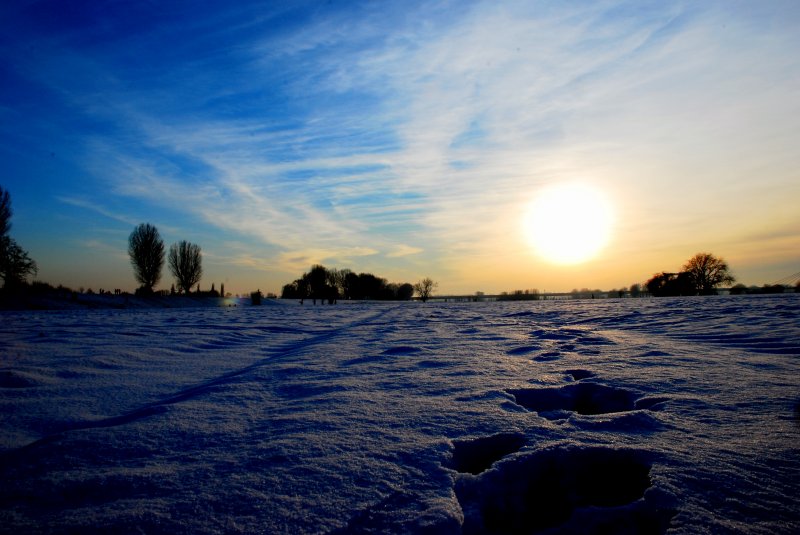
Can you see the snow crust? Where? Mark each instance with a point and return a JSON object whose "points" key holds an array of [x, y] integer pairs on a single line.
{"points": [[615, 416]]}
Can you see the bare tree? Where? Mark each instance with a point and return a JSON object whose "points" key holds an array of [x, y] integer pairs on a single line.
{"points": [[706, 272], [15, 264], [146, 249], [185, 263], [424, 288]]}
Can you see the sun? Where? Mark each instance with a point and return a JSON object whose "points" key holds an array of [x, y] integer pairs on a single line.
{"points": [[569, 223]]}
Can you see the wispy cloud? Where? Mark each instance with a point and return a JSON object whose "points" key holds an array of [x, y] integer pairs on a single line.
{"points": [[421, 132], [98, 208], [299, 260], [404, 250]]}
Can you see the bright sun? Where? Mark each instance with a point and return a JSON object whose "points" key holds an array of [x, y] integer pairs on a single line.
{"points": [[569, 223]]}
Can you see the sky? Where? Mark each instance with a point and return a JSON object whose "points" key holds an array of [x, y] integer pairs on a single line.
{"points": [[405, 139]]}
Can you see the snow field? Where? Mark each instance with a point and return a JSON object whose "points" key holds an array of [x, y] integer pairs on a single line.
{"points": [[632, 416]]}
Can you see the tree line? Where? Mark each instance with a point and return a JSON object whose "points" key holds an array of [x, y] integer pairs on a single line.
{"points": [[700, 275], [324, 284], [148, 255]]}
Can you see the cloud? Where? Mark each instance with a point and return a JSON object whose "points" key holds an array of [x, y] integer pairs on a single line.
{"points": [[94, 207], [300, 260], [404, 250], [108, 250]]}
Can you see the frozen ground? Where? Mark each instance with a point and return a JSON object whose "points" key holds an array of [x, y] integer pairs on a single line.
{"points": [[612, 416]]}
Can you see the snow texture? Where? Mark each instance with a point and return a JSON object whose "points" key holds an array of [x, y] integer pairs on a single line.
{"points": [[614, 416]]}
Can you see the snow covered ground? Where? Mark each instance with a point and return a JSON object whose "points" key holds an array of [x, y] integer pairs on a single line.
{"points": [[628, 416]]}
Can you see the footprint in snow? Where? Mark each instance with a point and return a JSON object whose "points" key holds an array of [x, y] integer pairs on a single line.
{"points": [[548, 356], [578, 375], [478, 455], [523, 350], [565, 490], [583, 398]]}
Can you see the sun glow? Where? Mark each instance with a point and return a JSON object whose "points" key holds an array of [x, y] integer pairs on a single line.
{"points": [[569, 223]]}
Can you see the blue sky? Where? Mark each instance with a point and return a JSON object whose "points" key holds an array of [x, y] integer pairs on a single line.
{"points": [[402, 138]]}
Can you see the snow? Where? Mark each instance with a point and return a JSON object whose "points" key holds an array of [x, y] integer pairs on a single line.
{"points": [[631, 416]]}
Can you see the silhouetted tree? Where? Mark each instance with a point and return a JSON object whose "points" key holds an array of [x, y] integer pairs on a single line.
{"points": [[520, 295], [333, 284], [185, 263], [293, 290], [404, 292], [15, 264], [343, 276], [370, 287], [317, 282], [336, 279], [773, 289], [389, 292], [670, 284], [302, 288], [706, 272], [739, 289], [350, 285], [424, 288], [146, 249], [635, 290]]}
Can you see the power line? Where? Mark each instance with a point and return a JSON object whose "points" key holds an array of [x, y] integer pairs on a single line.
{"points": [[791, 280]]}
